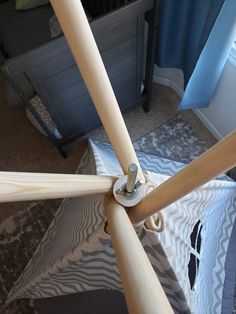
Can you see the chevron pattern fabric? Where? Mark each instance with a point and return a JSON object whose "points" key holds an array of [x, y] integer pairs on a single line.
{"points": [[76, 254]]}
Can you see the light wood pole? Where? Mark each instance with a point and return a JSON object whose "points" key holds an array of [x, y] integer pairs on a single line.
{"points": [[20, 186], [82, 43], [143, 291], [218, 159]]}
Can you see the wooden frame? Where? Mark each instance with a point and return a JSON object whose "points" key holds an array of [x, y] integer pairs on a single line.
{"points": [[217, 160], [143, 291], [82, 43], [20, 186]]}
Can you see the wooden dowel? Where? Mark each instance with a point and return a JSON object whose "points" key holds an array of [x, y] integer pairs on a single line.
{"points": [[143, 291], [20, 186], [218, 159], [81, 41]]}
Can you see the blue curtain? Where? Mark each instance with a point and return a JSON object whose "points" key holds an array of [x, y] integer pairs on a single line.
{"points": [[196, 36]]}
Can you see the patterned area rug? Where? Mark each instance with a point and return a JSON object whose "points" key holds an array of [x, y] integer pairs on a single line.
{"points": [[174, 140], [21, 233]]}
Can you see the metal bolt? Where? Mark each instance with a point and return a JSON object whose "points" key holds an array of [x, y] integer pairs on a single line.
{"points": [[132, 176]]}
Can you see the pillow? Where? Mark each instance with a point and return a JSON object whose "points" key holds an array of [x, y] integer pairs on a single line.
{"points": [[29, 4]]}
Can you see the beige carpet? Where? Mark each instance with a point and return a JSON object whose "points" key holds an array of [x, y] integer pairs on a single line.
{"points": [[23, 148]]}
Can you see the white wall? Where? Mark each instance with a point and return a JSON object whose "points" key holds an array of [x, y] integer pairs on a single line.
{"points": [[220, 116], [171, 77]]}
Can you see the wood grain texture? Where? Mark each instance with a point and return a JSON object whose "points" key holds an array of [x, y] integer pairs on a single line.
{"points": [[143, 291], [81, 41], [217, 160], [20, 186]]}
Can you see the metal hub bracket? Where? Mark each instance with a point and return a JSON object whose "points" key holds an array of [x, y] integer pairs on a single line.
{"points": [[127, 190]]}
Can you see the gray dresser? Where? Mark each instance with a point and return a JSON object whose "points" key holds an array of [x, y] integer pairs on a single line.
{"points": [[50, 71]]}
